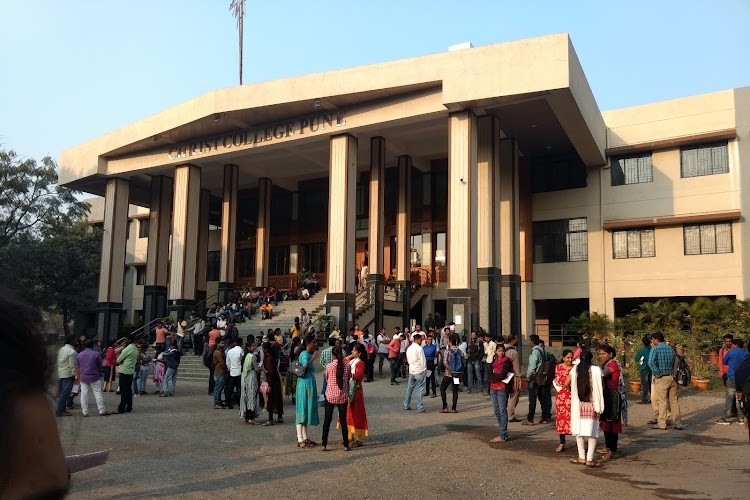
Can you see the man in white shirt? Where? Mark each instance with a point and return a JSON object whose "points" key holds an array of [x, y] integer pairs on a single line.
{"points": [[383, 341], [234, 366], [417, 373], [66, 375]]}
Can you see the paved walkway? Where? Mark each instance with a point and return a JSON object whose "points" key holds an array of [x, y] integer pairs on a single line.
{"points": [[182, 447]]}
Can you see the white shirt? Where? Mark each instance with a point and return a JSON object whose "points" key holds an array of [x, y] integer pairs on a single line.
{"points": [[221, 324], [66, 362], [383, 348], [462, 347], [415, 358], [234, 361]]}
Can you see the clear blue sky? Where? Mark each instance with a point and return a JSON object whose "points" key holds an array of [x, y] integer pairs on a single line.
{"points": [[73, 70]]}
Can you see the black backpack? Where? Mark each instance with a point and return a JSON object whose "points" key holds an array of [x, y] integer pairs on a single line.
{"points": [[681, 371], [546, 372], [208, 356]]}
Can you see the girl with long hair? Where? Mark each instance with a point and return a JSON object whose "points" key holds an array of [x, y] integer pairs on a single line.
{"points": [[586, 404], [562, 398], [338, 373]]}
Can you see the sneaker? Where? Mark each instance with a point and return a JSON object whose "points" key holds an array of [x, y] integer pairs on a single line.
{"points": [[422, 410], [723, 421]]}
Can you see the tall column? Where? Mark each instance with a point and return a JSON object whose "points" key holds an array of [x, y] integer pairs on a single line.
{"points": [[342, 196], [228, 232], [376, 276], [112, 268], [488, 223], [185, 213], [202, 265], [403, 236], [157, 257], [294, 266], [462, 221], [510, 238], [263, 232]]}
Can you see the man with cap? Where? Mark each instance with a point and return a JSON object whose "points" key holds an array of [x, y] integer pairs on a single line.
{"points": [[417, 373]]}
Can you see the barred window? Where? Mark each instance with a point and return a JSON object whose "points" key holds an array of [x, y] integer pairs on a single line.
{"points": [[706, 159], [631, 170], [563, 240], [703, 239], [633, 244]]}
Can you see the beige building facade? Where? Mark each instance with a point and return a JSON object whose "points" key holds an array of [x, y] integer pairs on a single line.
{"points": [[482, 183]]}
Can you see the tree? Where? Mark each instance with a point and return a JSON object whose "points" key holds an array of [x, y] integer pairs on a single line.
{"points": [[591, 326], [238, 10], [57, 269], [30, 198]]}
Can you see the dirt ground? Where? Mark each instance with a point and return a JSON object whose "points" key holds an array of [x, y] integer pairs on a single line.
{"points": [[182, 447]]}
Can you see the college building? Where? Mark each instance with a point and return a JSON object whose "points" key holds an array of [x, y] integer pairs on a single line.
{"points": [[484, 183]]}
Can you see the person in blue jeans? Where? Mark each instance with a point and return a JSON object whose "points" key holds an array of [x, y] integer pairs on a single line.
{"points": [[172, 360], [536, 391], [641, 357], [417, 373], [220, 373], [474, 365], [499, 390], [66, 374]]}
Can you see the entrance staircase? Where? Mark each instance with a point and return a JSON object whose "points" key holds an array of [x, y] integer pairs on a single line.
{"points": [[283, 315]]}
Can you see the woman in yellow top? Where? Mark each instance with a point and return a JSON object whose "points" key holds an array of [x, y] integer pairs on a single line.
{"points": [[296, 329]]}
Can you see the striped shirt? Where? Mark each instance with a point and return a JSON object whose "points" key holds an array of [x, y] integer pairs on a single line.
{"points": [[661, 359]]}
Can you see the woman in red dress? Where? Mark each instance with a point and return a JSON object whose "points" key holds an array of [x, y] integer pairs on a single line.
{"points": [[356, 415], [562, 400]]}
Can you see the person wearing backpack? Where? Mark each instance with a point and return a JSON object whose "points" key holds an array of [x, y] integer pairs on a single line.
{"points": [[732, 360], [454, 364], [474, 364], [536, 390]]}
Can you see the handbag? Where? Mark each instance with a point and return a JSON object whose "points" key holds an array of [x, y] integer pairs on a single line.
{"points": [[612, 405], [298, 369], [264, 387]]}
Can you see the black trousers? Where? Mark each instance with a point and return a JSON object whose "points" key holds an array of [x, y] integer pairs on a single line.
{"points": [[211, 380], [382, 356], [610, 440], [448, 381], [342, 422], [370, 371], [126, 393], [232, 390], [430, 381]]}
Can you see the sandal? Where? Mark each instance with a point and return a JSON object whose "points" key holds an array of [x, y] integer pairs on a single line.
{"points": [[608, 455], [594, 464], [279, 421], [578, 461], [498, 439], [444, 410], [302, 444], [310, 442], [527, 422], [270, 422], [560, 448]]}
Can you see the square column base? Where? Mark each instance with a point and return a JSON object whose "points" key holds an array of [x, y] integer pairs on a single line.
{"points": [[340, 306], [181, 308], [200, 302], [510, 285], [376, 283], [154, 303], [490, 309], [108, 321], [225, 291], [463, 305]]}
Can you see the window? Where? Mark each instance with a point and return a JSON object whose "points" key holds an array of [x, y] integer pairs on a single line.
{"points": [[140, 275], [703, 239], [706, 159], [143, 227], [633, 244], [556, 174], [213, 264], [246, 262], [416, 250], [278, 260], [314, 257], [631, 170], [563, 240], [441, 247]]}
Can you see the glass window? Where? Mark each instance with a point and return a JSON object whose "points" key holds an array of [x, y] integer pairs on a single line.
{"points": [[143, 228], [556, 174], [706, 159], [633, 244], [631, 170], [416, 250], [213, 264], [562, 240], [246, 262], [314, 257], [440, 249], [140, 275], [278, 260], [703, 239]]}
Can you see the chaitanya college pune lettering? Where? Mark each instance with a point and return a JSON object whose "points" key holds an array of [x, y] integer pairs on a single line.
{"points": [[254, 136]]}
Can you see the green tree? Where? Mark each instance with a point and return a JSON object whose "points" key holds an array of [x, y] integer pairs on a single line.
{"points": [[56, 269], [591, 325], [30, 198]]}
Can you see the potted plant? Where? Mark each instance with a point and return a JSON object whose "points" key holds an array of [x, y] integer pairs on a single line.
{"points": [[700, 372], [633, 371]]}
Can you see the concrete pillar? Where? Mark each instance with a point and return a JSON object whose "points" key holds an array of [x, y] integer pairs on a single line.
{"points": [[403, 237], [462, 296], [294, 248], [185, 214], [228, 232], [510, 238], [376, 276], [341, 227], [488, 223], [112, 268], [202, 265], [262, 232], [157, 259]]}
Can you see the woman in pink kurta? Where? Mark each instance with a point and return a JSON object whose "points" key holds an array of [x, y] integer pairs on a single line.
{"points": [[562, 400]]}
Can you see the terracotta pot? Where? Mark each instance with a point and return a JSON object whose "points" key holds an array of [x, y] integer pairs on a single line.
{"points": [[635, 386], [702, 384], [693, 380]]}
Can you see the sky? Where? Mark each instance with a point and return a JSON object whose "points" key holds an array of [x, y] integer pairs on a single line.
{"points": [[74, 70]]}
